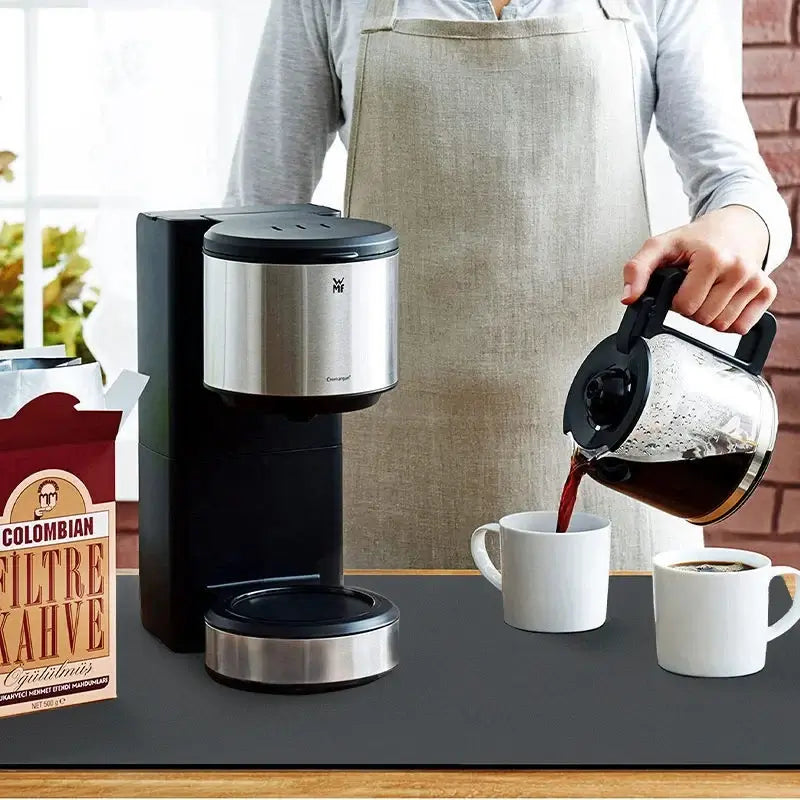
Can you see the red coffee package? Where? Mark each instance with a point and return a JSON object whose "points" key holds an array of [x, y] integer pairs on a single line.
{"points": [[57, 552]]}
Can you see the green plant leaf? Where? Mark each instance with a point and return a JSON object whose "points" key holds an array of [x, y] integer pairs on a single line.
{"points": [[73, 295], [7, 158], [57, 314], [72, 241], [70, 331], [51, 294], [11, 234], [67, 301], [75, 267], [10, 337], [10, 277], [52, 246]]}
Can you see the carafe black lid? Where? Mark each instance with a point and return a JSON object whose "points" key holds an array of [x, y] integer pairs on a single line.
{"points": [[302, 238], [607, 395]]}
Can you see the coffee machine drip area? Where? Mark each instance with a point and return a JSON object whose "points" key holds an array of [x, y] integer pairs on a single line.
{"points": [[259, 328]]}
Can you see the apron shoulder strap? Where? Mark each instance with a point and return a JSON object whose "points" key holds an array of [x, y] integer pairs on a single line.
{"points": [[615, 9], [380, 16]]}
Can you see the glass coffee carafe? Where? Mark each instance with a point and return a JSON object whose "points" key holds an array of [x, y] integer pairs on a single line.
{"points": [[669, 420]]}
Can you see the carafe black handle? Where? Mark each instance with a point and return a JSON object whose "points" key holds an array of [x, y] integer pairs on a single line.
{"points": [[645, 318]]}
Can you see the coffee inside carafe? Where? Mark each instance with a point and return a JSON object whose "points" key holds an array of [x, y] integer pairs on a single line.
{"points": [[690, 488]]}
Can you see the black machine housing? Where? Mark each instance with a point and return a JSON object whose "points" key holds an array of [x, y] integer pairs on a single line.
{"points": [[230, 498]]}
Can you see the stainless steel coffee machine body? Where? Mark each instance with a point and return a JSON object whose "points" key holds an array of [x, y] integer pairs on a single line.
{"points": [[301, 311]]}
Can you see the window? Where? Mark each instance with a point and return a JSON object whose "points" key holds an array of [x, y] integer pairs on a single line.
{"points": [[114, 107], [48, 109]]}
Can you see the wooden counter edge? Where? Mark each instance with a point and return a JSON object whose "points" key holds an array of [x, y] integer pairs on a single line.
{"points": [[401, 784], [789, 579]]}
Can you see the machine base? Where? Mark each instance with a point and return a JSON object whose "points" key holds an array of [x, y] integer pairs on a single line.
{"points": [[301, 639]]}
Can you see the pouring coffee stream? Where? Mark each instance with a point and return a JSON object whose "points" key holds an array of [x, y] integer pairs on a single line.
{"points": [[578, 466], [669, 420]]}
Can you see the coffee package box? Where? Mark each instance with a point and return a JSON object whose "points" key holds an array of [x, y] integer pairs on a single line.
{"points": [[58, 429]]}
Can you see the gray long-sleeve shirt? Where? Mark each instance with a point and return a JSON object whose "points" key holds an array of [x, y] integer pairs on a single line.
{"points": [[301, 97]]}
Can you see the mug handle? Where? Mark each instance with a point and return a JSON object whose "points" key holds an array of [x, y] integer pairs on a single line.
{"points": [[793, 614], [481, 557]]}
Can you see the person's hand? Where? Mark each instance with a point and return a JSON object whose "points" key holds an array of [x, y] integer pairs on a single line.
{"points": [[725, 286]]}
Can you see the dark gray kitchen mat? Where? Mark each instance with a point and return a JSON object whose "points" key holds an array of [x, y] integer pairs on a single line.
{"points": [[469, 692]]}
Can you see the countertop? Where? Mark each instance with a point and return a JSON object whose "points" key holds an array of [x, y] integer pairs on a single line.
{"points": [[520, 676]]}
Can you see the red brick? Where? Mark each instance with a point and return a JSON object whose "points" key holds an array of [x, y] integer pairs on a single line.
{"points": [[716, 536], [785, 353], [775, 547], [790, 198], [787, 396], [796, 220], [127, 551], [770, 115], [771, 70], [767, 21], [127, 517], [788, 280], [785, 466], [789, 520], [782, 156], [754, 517], [782, 553], [797, 32]]}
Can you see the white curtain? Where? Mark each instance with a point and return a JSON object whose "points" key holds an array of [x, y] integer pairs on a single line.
{"points": [[174, 78]]}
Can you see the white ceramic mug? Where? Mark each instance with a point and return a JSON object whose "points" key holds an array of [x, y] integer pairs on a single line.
{"points": [[715, 624], [551, 582]]}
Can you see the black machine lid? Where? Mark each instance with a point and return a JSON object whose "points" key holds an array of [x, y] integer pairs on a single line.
{"points": [[307, 611], [302, 238]]}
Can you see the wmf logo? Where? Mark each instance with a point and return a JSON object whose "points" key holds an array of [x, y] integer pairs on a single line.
{"points": [[338, 285]]}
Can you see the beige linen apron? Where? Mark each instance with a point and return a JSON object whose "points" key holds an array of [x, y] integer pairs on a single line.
{"points": [[507, 156]]}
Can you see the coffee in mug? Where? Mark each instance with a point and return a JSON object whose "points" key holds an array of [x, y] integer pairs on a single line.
{"points": [[713, 566]]}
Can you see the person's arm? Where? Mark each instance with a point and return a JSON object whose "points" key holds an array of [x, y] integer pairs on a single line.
{"points": [[741, 229], [292, 111]]}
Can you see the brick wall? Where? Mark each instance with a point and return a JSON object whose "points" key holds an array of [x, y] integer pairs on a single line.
{"points": [[770, 522]]}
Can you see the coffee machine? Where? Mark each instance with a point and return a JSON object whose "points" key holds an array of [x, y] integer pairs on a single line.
{"points": [[258, 328]]}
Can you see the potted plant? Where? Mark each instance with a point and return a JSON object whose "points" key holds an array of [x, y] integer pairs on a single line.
{"points": [[67, 299]]}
